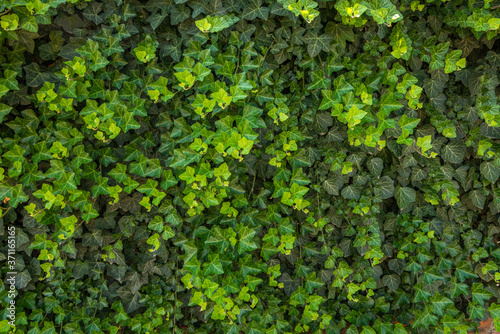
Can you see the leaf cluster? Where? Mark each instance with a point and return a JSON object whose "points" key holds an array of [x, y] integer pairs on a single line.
{"points": [[265, 166]]}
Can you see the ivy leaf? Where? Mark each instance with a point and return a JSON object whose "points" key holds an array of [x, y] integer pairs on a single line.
{"points": [[22, 279], [424, 143], [452, 62], [440, 303], [299, 159], [156, 19], [319, 81], [477, 197], [92, 13], [101, 188], [93, 239], [189, 175], [168, 233], [494, 310], [351, 192], [375, 166], [383, 327], [315, 44], [161, 86], [128, 122], [329, 99], [34, 76], [222, 171], [168, 179], [15, 154], [139, 167], [388, 103], [404, 196], [355, 115], [312, 282], [480, 295], [154, 168], [464, 271], [454, 151], [148, 188], [289, 285], [450, 322], [424, 319], [179, 14], [4, 326], [408, 124], [254, 9], [490, 171], [131, 300], [455, 289], [214, 266], [119, 173], [4, 111], [467, 45], [315, 302], [368, 330], [352, 329], [9, 80], [397, 265], [391, 281], [216, 23], [475, 311], [246, 242], [130, 184]]}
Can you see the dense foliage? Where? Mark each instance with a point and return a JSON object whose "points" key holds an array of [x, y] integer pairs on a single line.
{"points": [[260, 166]]}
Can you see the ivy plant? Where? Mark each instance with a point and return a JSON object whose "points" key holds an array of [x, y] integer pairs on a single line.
{"points": [[261, 166]]}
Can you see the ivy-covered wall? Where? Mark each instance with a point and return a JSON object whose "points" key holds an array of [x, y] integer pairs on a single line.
{"points": [[260, 166]]}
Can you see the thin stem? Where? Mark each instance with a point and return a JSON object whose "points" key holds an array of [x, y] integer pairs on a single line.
{"points": [[269, 48], [8, 11], [244, 325], [6, 179], [3, 214], [253, 184]]}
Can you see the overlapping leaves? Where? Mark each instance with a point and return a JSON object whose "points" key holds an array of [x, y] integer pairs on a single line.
{"points": [[270, 166]]}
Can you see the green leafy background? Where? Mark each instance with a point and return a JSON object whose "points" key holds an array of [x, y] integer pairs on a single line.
{"points": [[262, 166]]}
